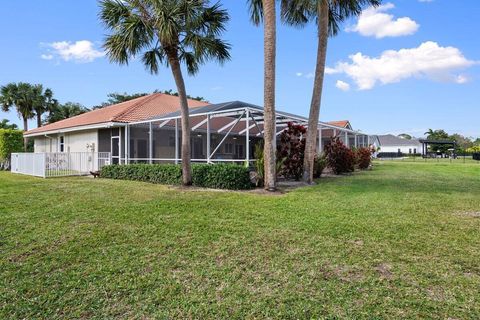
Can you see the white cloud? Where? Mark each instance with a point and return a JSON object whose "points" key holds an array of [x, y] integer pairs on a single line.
{"points": [[299, 74], [429, 60], [342, 85], [425, 0], [375, 22], [79, 51], [47, 56]]}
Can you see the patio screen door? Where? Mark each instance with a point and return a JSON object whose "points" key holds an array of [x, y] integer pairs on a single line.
{"points": [[115, 150]]}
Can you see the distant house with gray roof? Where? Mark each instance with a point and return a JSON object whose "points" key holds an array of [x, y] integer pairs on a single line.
{"points": [[391, 144]]}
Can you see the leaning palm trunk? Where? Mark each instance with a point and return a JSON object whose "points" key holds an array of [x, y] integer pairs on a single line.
{"points": [[310, 145], [185, 121], [269, 93]]}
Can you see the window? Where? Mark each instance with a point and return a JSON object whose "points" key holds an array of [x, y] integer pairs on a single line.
{"points": [[229, 148], [61, 144], [239, 151], [410, 151], [415, 150], [399, 151]]}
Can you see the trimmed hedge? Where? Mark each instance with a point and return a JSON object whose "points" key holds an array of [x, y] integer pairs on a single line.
{"points": [[10, 141], [217, 176]]}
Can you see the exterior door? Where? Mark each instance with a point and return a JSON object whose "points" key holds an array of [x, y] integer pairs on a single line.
{"points": [[115, 150]]}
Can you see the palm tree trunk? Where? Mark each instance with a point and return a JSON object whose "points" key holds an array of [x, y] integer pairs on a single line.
{"points": [[25, 129], [269, 93], [311, 140], [39, 120], [185, 121]]}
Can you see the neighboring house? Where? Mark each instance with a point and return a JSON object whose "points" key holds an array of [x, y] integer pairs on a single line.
{"points": [[390, 144], [147, 129]]}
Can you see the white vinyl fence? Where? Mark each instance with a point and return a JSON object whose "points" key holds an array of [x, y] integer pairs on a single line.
{"points": [[58, 164]]}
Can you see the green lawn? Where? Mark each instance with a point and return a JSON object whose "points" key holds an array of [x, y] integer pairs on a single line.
{"points": [[400, 241]]}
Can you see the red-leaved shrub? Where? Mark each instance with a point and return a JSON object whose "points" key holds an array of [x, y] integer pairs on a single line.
{"points": [[364, 157], [291, 151], [339, 157]]}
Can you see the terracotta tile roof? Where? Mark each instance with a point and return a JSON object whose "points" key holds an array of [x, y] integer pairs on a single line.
{"points": [[133, 110], [340, 123]]}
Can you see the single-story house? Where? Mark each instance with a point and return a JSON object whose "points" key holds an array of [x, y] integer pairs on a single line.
{"points": [[147, 129], [389, 144]]}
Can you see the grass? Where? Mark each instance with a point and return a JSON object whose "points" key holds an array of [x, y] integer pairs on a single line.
{"points": [[400, 241]]}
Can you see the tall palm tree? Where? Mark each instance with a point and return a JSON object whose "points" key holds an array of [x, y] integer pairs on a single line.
{"points": [[328, 14], [264, 10], [21, 96], [169, 32], [43, 102]]}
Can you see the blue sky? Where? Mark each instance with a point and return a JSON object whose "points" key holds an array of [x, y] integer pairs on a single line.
{"points": [[428, 78]]}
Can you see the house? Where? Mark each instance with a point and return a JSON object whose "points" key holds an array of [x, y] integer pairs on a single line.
{"points": [[390, 145], [148, 129]]}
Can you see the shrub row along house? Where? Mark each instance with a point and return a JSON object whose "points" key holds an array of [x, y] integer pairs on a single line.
{"points": [[148, 130]]}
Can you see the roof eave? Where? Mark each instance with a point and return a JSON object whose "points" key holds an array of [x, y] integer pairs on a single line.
{"points": [[76, 128]]}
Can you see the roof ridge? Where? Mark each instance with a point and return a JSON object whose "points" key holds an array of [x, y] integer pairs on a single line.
{"points": [[135, 105]]}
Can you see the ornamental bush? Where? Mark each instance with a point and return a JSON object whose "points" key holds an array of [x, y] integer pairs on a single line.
{"points": [[218, 176], [319, 165], [10, 141], [291, 151], [363, 157], [339, 157]]}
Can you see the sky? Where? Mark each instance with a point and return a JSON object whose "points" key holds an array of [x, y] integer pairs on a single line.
{"points": [[404, 67]]}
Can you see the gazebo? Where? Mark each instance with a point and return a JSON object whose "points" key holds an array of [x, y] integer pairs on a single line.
{"points": [[426, 142]]}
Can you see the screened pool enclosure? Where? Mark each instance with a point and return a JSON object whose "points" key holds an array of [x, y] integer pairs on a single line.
{"points": [[225, 132]]}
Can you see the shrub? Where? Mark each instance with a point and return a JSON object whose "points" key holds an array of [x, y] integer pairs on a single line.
{"points": [[218, 176], [319, 165], [221, 176], [259, 163], [291, 151], [10, 141], [363, 157], [339, 157]]}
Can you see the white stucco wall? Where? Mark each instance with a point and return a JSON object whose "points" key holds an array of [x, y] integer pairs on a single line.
{"points": [[74, 142], [403, 149]]}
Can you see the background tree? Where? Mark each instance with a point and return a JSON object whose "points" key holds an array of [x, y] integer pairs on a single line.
{"points": [[67, 110], [405, 136], [438, 134], [115, 97], [4, 124], [168, 32], [43, 102], [20, 96], [327, 14], [264, 10]]}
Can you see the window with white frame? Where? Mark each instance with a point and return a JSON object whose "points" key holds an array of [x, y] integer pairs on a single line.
{"points": [[61, 143], [229, 148]]}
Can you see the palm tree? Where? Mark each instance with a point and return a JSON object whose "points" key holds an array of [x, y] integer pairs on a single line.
{"points": [[328, 14], [167, 32], [43, 102], [22, 97], [264, 10]]}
